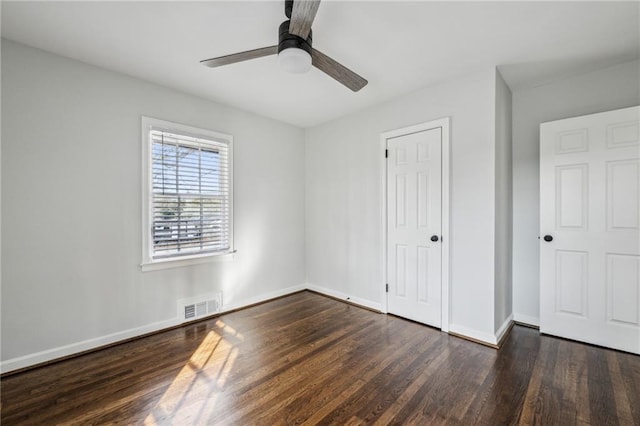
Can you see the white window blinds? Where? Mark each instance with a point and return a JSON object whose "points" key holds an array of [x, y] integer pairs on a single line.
{"points": [[190, 195]]}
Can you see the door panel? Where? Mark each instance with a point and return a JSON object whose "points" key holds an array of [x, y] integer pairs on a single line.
{"points": [[623, 286], [571, 282], [414, 215], [590, 205], [622, 195], [423, 274], [401, 201], [571, 196], [401, 271]]}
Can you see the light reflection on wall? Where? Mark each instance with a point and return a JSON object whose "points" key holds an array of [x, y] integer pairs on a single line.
{"points": [[242, 276]]}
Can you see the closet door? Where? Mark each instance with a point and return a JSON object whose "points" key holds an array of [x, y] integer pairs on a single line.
{"points": [[414, 226], [589, 229]]}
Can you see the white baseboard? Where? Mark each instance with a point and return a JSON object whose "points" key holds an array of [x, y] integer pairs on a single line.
{"points": [[74, 348], [491, 339], [503, 328], [342, 296], [526, 319], [473, 334]]}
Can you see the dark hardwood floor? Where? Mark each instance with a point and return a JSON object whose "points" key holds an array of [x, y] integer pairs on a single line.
{"points": [[308, 359]]}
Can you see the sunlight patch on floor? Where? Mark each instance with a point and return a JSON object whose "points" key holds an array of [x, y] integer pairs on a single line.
{"points": [[191, 397]]}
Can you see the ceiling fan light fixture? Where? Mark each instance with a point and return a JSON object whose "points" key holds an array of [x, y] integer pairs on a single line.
{"points": [[294, 60], [295, 48]]}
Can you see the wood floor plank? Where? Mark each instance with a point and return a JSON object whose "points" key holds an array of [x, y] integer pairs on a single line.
{"points": [[602, 406], [566, 380], [630, 373], [507, 382], [443, 395], [532, 407], [412, 389], [310, 398], [623, 405], [308, 359], [379, 385], [583, 412]]}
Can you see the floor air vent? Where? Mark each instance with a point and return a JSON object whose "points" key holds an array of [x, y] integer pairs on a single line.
{"points": [[200, 306], [189, 312]]}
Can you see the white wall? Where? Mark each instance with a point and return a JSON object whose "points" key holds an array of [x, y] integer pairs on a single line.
{"points": [[71, 206], [504, 203], [344, 197], [607, 89]]}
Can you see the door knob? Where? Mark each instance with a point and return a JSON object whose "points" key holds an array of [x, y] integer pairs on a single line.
{"points": [[434, 238], [548, 238]]}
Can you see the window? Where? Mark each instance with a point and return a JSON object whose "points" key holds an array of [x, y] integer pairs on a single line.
{"points": [[188, 203]]}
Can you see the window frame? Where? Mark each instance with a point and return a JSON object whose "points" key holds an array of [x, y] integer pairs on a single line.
{"points": [[148, 262]]}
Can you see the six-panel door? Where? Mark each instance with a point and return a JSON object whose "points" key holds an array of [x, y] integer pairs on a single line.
{"points": [[590, 212], [414, 219]]}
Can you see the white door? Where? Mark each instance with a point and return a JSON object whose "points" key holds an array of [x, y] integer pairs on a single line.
{"points": [[589, 229], [414, 223]]}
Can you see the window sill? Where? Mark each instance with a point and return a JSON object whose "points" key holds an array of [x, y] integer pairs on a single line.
{"points": [[187, 261]]}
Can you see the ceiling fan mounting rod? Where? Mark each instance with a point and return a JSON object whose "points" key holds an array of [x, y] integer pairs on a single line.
{"points": [[287, 40], [288, 7]]}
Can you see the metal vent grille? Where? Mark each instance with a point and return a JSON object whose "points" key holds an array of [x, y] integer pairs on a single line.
{"points": [[201, 306], [189, 311], [201, 309]]}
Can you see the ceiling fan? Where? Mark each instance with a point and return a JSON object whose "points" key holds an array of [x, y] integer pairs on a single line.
{"points": [[294, 48]]}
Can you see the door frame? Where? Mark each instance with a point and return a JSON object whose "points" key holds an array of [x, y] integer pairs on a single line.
{"points": [[444, 124]]}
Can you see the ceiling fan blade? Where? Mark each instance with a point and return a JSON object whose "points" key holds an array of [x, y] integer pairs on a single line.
{"points": [[302, 16], [239, 57], [338, 71]]}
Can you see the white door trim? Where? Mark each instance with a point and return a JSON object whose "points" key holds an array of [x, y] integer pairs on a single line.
{"points": [[444, 124]]}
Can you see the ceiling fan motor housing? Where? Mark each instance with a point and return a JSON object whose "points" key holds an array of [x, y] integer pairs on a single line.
{"points": [[286, 40], [288, 8]]}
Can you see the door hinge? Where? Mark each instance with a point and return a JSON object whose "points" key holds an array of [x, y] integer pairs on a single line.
{"points": [[386, 153], [386, 287]]}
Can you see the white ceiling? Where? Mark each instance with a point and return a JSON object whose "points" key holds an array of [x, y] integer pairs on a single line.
{"points": [[397, 46]]}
